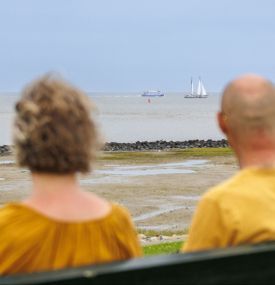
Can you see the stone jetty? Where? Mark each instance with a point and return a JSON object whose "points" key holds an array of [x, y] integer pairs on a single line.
{"points": [[164, 145], [149, 145], [5, 149]]}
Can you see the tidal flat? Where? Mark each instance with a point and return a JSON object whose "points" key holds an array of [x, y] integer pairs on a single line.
{"points": [[160, 188]]}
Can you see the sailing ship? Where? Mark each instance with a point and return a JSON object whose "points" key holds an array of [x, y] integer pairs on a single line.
{"points": [[201, 92], [152, 93]]}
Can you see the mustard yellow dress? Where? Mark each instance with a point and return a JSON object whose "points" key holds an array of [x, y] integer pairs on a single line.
{"points": [[30, 241]]}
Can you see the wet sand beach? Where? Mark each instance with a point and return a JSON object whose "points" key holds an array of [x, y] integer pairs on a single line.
{"points": [[160, 189]]}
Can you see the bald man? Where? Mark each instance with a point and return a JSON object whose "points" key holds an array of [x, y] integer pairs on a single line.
{"points": [[242, 209]]}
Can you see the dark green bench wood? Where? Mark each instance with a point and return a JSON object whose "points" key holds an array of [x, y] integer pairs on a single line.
{"points": [[251, 264]]}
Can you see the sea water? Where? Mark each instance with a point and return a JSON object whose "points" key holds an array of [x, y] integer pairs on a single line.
{"points": [[129, 117]]}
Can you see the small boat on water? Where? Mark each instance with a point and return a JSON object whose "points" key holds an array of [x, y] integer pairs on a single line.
{"points": [[201, 92], [152, 93]]}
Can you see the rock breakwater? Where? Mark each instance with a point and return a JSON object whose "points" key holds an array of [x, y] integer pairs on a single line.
{"points": [[164, 145], [5, 149], [149, 145]]}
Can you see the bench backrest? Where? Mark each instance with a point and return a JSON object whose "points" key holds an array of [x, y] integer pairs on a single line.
{"points": [[250, 264]]}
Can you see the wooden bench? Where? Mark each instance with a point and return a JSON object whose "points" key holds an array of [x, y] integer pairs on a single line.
{"points": [[250, 264]]}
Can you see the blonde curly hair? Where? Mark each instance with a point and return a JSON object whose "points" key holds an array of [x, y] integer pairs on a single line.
{"points": [[53, 130]]}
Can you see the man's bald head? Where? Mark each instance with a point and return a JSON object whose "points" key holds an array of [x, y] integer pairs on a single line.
{"points": [[249, 102]]}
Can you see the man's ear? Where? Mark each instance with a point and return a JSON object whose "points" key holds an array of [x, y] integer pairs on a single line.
{"points": [[222, 122]]}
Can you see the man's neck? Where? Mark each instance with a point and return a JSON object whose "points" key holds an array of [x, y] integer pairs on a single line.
{"points": [[257, 158]]}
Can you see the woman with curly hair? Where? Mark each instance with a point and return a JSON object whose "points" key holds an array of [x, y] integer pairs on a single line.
{"points": [[59, 225]]}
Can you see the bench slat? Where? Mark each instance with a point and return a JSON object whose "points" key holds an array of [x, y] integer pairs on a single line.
{"points": [[250, 264]]}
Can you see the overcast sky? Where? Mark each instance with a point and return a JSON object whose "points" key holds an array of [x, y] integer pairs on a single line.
{"points": [[132, 45]]}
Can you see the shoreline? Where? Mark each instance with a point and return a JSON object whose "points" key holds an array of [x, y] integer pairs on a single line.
{"points": [[149, 145]]}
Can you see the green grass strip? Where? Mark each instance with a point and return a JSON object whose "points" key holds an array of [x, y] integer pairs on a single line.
{"points": [[142, 156], [162, 248]]}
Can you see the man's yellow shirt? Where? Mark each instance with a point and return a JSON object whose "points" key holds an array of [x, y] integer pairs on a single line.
{"points": [[238, 211]]}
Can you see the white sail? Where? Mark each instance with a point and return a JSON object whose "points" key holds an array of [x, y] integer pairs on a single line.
{"points": [[199, 90], [203, 91]]}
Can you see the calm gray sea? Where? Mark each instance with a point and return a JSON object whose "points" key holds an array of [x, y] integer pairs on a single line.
{"points": [[130, 117]]}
